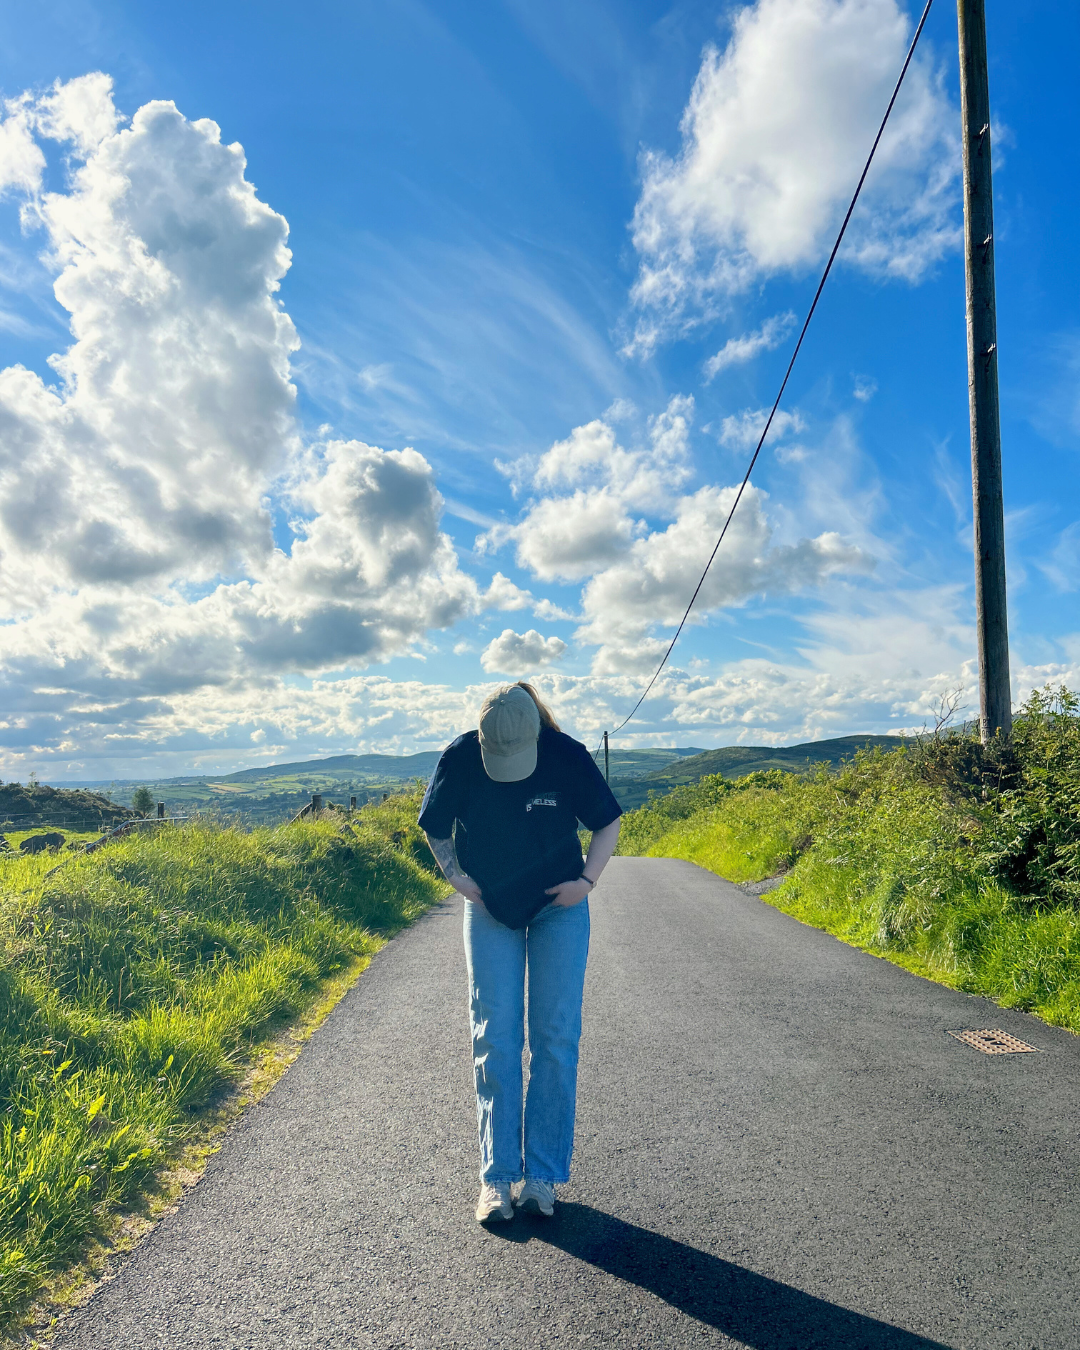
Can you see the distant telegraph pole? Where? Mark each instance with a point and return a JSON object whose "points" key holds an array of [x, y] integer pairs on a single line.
{"points": [[607, 775], [995, 699]]}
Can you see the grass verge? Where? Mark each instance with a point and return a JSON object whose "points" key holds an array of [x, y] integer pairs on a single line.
{"points": [[142, 985], [956, 861]]}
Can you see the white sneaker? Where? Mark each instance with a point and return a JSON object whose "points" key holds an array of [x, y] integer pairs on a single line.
{"points": [[537, 1197], [494, 1203]]}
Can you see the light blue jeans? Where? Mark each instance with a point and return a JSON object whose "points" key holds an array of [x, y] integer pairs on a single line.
{"points": [[535, 1142]]}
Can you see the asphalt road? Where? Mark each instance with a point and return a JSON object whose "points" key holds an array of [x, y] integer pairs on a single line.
{"points": [[779, 1147]]}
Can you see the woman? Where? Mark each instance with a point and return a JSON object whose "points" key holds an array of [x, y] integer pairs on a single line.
{"points": [[516, 789]]}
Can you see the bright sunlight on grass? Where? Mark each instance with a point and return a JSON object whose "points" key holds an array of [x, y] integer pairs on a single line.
{"points": [[958, 861], [136, 982]]}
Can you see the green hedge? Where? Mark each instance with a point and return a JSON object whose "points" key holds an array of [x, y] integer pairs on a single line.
{"points": [[957, 860], [135, 983]]}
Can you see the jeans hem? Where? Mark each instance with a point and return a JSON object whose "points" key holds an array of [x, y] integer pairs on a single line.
{"points": [[502, 1181], [550, 1181]]}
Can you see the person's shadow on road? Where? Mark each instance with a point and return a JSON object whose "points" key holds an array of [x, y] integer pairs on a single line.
{"points": [[750, 1308]]}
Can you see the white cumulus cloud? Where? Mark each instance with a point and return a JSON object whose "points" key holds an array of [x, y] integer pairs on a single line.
{"points": [[617, 520], [22, 161], [652, 585], [82, 111], [774, 136], [138, 492], [859, 686], [151, 457], [505, 594], [521, 653], [589, 490]]}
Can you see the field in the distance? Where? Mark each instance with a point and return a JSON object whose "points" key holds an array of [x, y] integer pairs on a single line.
{"points": [[274, 793]]}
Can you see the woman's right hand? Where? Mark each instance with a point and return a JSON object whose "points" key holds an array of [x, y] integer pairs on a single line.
{"points": [[466, 886]]}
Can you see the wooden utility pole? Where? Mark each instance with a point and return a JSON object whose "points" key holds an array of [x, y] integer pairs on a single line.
{"points": [[607, 776], [995, 698]]}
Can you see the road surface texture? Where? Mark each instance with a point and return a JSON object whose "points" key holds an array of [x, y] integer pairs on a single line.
{"points": [[779, 1147]]}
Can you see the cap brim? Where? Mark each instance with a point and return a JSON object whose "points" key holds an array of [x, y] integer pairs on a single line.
{"points": [[509, 768]]}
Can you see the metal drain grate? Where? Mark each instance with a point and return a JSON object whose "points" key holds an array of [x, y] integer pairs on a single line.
{"points": [[994, 1042]]}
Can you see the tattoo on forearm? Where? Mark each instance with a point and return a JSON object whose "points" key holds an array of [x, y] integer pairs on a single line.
{"points": [[445, 856]]}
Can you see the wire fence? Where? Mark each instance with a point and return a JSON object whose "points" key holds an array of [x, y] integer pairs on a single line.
{"points": [[77, 824], [318, 805]]}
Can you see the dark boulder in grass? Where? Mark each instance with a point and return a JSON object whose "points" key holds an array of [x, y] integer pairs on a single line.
{"points": [[38, 843]]}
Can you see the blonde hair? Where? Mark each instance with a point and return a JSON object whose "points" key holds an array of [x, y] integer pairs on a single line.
{"points": [[547, 717]]}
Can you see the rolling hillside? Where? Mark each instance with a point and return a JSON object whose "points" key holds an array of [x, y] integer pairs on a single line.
{"points": [[735, 760], [380, 768], [274, 792]]}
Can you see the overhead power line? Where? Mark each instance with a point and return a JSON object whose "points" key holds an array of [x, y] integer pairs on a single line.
{"points": [[787, 373]]}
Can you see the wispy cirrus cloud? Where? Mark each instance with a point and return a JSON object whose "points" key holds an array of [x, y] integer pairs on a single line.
{"points": [[738, 350], [741, 430], [1062, 567]]}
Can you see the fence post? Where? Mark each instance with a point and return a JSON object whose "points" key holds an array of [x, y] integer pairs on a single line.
{"points": [[161, 810], [352, 803], [316, 803]]}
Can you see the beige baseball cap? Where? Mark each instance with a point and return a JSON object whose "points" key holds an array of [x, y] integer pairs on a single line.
{"points": [[509, 730]]}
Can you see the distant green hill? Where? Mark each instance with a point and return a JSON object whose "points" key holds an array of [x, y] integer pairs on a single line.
{"points": [[274, 792], [380, 766], [627, 763], [735, 760], [633, 763]]}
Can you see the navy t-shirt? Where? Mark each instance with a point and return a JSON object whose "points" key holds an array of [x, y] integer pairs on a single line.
{"points": [[517, 839]]}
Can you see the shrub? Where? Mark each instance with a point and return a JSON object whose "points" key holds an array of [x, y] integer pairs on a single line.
{"points": [[1034, 845], [957, 859]]}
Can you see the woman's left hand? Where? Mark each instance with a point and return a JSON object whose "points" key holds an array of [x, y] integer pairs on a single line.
{"points": [[569, 893]]}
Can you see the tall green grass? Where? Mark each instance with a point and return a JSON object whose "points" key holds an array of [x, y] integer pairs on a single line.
{"points": [[134, 984], [958, 861], [744, 829]]}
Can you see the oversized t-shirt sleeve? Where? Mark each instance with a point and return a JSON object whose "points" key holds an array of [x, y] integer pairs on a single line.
{"points": [[441, 803], [594, 802]]}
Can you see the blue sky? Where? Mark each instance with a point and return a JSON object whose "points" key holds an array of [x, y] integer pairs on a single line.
{"points": [[475, 434]]}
